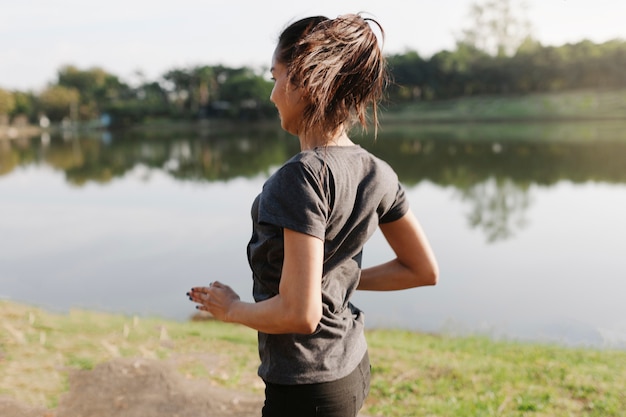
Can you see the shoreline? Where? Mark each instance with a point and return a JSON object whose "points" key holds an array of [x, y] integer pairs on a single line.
{"points": [[410, 114]]}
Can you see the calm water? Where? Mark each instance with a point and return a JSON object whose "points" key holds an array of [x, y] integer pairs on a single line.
{"points": [[527, 223]]}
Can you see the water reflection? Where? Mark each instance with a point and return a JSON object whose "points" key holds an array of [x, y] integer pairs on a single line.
{"points": [[491, 173], [529, 232], [498, 207]]}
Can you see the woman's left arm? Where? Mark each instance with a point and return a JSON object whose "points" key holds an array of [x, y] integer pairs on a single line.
{"points": [[297, 308], [415, 264]]}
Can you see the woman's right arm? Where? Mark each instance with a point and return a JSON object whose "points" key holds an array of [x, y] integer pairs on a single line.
{"points": [[297, 308], [415, 264]]}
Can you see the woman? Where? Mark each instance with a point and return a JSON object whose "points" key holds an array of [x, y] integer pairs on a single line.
{"points": [[310, 223]]}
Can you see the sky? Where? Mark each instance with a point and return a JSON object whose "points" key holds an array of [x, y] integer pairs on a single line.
{"points": [[149, 37]]}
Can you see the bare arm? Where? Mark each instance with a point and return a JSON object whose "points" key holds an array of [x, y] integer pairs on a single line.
{"points": [[298, 306], [415, 264]]}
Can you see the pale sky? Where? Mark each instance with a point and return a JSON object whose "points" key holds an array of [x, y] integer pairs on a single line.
{"points": [[124, 36]]}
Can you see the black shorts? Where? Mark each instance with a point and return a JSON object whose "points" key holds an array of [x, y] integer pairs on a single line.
{"points": [[341, 398]]}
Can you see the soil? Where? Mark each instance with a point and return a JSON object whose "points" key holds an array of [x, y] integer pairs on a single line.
{"points": [[140, 388], [127, 387]]}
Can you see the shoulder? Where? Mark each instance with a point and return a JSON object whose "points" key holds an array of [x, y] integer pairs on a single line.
{"points": [[379, 166], [310, 159], [302, 166], [301, 174]]}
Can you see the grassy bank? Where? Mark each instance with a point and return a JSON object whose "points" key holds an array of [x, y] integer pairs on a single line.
{"points": [[561, 106], [413, 374]]}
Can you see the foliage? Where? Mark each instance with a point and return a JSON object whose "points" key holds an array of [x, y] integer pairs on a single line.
{"points": [[243, 93], [469, 71], [219, 91], [498, 27], [495, 54], [7, 102], [97, 88], [59, 102], [25, 104]]}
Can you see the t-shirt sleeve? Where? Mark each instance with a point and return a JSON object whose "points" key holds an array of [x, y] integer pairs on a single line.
{"points": [[398, 206], [293, 198]]}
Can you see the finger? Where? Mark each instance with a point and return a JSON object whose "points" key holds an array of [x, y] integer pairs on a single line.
{"points": [[218, 284], [199, 297], [200, 290]]}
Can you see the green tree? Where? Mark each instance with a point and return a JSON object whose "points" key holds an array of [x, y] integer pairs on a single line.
{"points": [[7, 102], [59, 102], [204, 89], [97, 88], [497, 27], [218, 90], [149, 100], [410, 74], [247, 91], [179, 84], [25, 104]]}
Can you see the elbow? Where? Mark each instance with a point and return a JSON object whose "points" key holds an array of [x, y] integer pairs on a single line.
{"points": [[427, 277], [307, 327], [432, 277], [300, 315], [307, 323]]}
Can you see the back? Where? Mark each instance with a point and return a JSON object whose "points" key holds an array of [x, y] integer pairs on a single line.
{"points": [[339, 195]]}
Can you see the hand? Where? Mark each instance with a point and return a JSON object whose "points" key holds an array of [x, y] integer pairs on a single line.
{"points": [[216, 299]]}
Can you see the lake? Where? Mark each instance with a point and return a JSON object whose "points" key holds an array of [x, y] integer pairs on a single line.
{"points": [[527, 222]]}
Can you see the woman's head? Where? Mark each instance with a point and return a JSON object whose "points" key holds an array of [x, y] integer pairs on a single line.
{"points": [[337, 67]]}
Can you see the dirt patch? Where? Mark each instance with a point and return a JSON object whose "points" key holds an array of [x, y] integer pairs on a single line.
{"points": [[140, 388], [135, 387]]}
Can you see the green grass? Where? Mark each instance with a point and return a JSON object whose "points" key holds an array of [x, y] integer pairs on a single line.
{"points": [[569, 132], [475, 376], [412, 374], [569, 105]]}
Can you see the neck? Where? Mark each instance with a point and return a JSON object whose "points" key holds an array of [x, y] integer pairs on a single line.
{"points": [[316, 139]]}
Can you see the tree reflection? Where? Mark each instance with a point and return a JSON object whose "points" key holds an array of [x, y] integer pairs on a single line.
{"points": [[491, 170], [498, 207]]}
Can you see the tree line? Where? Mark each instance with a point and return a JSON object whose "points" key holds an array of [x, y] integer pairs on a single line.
{"points": [[184, 93], [533, 68], [243, 93]]}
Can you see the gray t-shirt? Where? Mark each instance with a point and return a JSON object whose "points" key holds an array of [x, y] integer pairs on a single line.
{"points": [[339, 195]]}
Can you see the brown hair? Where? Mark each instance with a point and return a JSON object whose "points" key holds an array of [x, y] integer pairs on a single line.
{"points": [[339, 66]]}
